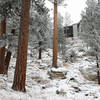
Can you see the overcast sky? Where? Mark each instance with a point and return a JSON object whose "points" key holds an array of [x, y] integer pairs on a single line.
{"points": [[74, 8]]}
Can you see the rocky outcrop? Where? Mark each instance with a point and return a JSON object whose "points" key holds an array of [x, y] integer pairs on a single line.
{"points": [[89, 72], [57, 73]]}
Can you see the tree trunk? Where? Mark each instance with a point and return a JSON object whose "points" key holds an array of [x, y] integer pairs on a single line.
{"points": [[40, 50], [3, 27], [21, 63], [2, 60], [55, 37], [98, 73], [2, 49], [7, 61]]}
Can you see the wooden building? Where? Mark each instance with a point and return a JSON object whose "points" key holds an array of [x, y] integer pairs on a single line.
{"points": [[72, 30]]}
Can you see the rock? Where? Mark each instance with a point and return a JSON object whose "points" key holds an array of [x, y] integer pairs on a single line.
{"points": [[3, 84], [86, 94], [89, 72], [35, 77], [72, 79], [58, 73], [95, 97], [60, 92], [80, 49], [70, 55], [41, 81], [43, 87], [91, 53], [42, 66], [77, 89]]}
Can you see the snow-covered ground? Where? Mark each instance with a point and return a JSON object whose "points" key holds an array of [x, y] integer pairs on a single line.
{"points": [[40, 87]]}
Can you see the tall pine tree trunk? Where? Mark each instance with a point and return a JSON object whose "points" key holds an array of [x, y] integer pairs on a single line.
{"points": [[21, 63], [7, 60], [2, 49], [55, 37]]}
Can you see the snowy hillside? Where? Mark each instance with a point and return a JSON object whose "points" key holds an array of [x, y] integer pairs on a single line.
{"points": [[40, 87]]}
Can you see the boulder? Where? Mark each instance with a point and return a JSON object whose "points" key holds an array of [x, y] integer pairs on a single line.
{"points": [[44, 66], [70, 55], [57, 73], [61, 92], [76, 88], [89, 72]]}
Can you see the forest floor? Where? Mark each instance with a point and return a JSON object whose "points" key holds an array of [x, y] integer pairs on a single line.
{"points": [[40, 87]]}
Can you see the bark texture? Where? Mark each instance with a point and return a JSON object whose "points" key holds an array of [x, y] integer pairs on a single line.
{"points": [[21, 63], [2, 60], [55, 37], [2, 49], [3, 27]]}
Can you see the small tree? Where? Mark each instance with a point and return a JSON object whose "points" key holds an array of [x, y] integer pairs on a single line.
{"points": [[39, 26]]}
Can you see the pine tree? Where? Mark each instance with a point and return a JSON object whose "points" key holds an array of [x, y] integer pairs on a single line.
{"points": [[6, 11], [97, 37], [55, 35], [40, 20], [21, 63], [91, 31]]}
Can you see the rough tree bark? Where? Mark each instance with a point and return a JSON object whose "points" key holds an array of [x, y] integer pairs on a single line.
{"points": [[21, 63], [55, 37], [7, 60], [2, 49], [3, 26], [2, 60]]}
